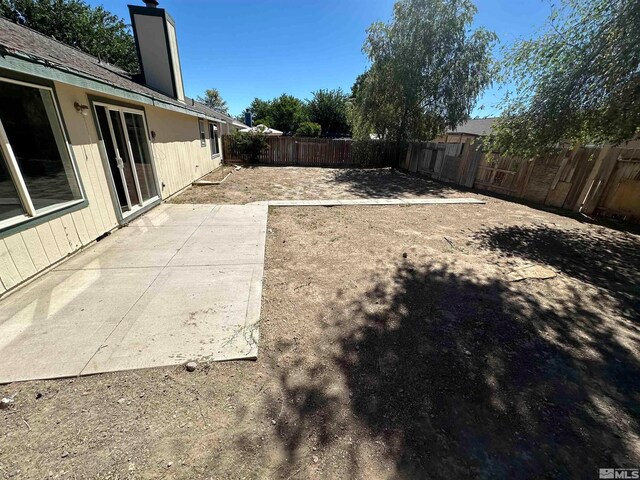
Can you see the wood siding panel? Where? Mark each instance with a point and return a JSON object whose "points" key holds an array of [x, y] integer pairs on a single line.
{"points": [[20, 256], [8, 272], [60, 236], [49, 242], [36, 250], [180, 159]]}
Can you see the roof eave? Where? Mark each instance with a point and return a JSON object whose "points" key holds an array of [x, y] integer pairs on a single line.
{"points": [[32, 65]]}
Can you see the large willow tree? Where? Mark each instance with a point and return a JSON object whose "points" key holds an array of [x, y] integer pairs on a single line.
{"points": [[428, 67], [577, 81]]}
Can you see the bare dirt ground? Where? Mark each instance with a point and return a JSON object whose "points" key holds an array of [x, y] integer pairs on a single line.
{"points": [[252, 184], [393, 345]]}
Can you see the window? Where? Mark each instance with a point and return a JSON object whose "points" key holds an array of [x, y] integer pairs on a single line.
{"points": [[203, 136], [213, 135], [36, 172]]}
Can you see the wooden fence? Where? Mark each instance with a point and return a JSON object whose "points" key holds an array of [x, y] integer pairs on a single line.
{"points": [[448, 162], [319, 152], [590, 180]]}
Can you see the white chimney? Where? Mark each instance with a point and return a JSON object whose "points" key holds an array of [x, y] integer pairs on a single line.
{"points": [[157, 44]]}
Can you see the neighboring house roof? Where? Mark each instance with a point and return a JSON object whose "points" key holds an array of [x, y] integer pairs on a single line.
{"points": [[17, 40], [476, 126], [201, 107]]}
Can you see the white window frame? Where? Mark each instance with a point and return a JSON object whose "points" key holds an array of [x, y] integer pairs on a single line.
{"points": [[16, 176], [203, 133]]}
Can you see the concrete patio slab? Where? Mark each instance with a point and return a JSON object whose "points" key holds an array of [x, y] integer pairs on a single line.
{"points": [[251, 214], [159, 331], [161, 291], [181, 282], [223, 245], [176, 215], [52, 327], [132, 246]]}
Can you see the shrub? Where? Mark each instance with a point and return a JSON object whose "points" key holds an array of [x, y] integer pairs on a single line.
{"points": [[249, 146], [308, 129]]}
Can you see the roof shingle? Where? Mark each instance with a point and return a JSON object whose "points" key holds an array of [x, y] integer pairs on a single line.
{"points": [[18, 40]]}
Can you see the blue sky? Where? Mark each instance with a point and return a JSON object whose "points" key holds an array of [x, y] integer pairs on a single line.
{"points": [[260, 48]]}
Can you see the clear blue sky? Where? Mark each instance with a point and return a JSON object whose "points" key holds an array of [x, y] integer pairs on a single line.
{"points": [[259, 48]]}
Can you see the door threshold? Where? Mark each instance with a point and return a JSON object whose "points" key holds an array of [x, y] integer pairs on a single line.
{"points": [[143, 209]]}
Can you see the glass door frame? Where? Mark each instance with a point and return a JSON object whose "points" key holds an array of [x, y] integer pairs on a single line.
{"points": [[137, 208]]}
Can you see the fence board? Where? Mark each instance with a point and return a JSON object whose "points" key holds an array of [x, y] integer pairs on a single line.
{"points": [[320, 152], [604, 180]]}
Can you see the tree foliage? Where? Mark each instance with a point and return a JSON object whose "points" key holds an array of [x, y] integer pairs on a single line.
{"points": [[309, 129], [577, 81], [329, 109], [427, 69], [92, 30], [285, 113], [213, 99]]}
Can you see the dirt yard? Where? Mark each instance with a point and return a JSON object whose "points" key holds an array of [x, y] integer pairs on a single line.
{"points": [[394, 344], [299, 183]]}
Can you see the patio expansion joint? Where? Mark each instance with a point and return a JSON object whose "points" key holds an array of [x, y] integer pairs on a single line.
{"points": [[162, 269]]}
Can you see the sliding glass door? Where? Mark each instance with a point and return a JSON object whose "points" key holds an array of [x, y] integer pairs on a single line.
{"points": [[126, 145]]}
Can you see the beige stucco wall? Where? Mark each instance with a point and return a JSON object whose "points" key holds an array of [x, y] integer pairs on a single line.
{"points": [[179, 160]]}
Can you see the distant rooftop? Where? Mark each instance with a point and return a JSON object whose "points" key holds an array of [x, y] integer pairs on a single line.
{"points": [[476, 126]]}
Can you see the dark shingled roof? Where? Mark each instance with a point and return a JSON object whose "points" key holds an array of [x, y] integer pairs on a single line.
{"points": [[477, 126], [22, 41]]}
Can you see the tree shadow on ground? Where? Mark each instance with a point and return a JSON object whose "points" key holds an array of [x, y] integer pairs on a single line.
{"points": [[604, 258], [387, 182], [460, 377]]}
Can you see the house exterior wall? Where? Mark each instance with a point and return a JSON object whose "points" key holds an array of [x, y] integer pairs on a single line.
{"points": [[179, 158]]}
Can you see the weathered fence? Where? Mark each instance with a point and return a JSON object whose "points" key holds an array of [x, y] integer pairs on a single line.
{"points": [[319, 152], [590, 180], [448, 162]]}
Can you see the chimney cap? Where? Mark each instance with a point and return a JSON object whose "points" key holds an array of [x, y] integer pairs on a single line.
{"points": [[151, 3]]}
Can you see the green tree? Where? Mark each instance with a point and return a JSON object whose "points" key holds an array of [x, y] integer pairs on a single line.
{"points": [[284, 113], [578, 81], [287, 113], [261, 111], [329, 109], [428, 67], [308, 129], [213, 99], [92, 30]]}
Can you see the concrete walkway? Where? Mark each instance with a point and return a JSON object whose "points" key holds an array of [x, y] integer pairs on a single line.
{"points": [[183, 282], [366, 201]]}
